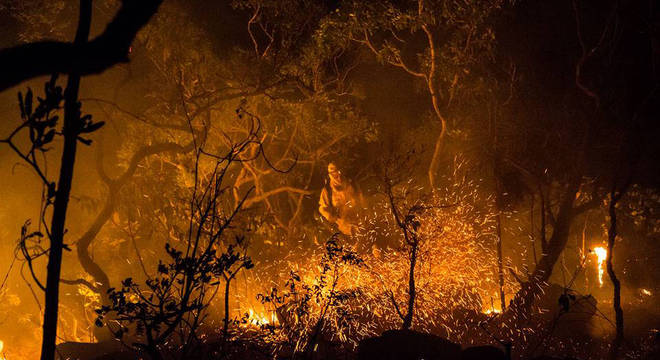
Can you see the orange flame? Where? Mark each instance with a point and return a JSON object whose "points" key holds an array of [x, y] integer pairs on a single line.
{"points": [[2, 345], [257, 319], [601, 255]]}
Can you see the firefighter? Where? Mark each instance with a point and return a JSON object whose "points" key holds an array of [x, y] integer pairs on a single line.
{"points": [[340, 202]]}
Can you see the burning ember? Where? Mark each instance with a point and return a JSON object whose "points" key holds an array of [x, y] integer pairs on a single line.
{"points": [[258, 319], [492, 311], [243, 188], [601, 255]]}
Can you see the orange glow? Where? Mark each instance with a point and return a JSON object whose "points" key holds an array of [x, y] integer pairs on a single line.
{"points": [[601, 255], [492, 311], [257, 319]]}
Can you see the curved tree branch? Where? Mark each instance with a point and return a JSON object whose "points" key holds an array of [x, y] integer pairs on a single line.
{"points": [[114, 186], [93, 57]]}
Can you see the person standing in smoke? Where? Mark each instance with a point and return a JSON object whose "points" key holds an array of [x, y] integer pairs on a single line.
{"points": [[340, 202]]}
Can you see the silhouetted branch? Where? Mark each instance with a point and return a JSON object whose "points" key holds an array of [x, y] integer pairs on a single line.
{"points": [[80, 282], [106, 50]]}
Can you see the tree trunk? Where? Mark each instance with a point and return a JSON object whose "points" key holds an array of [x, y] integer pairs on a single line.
{"points": [[500, 261], [100, 278], [532, 236], [226, 320], [112, 47], [407, 321], [70, 131], [618, 311], [431, 83], [499, 203], [435, 159], [522, 302]]}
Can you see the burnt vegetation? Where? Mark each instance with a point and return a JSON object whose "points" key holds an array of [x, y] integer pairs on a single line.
{"points": [[354, 179]]}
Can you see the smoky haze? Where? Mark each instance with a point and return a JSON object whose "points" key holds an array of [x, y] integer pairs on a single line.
{"points": [[477, 162]]}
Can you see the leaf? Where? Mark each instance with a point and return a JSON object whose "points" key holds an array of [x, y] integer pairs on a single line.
{"points": [[93, 127], [162, 268], [52, 121], [48, 137], [85, 141]]}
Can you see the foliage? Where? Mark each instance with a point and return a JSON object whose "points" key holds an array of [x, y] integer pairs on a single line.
{"points": [[162, 304], [309, 308], [42, 122], [175, 300]]}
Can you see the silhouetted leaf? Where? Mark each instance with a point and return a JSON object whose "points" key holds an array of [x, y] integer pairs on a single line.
{"points": [[85, 141], [48, 137]]}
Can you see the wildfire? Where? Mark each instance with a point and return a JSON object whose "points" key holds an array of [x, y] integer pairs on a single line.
{"points": [[646, 292], [492, 311], [601, 255], [2, 345], [258, 319]]}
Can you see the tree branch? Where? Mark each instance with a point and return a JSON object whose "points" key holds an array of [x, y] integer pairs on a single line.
{"points": [[289, 189], [106, 50], [80, 282]]}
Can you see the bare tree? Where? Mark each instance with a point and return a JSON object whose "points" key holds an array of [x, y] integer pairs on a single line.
{"points": [[175, 300], [615, 195], [454, 36]]}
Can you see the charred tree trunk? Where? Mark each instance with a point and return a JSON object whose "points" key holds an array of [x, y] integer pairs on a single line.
{"points": [[499, 204], [522, 302], [500, 262], [408, 226], [532, 229], [616, 283], [412, 292], [101, 280], [70, 132], [542, 232], [225, 328], [106, 50]]}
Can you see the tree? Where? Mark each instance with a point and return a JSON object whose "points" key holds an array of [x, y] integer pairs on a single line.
{"points": [[409, 224], [566, 160], [615, 195], [447, 40], [81, 57], [310, 309], [175, 300], [439, 242], [26, 62]]}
